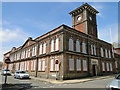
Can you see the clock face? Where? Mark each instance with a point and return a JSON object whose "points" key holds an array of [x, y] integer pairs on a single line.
{"points": [[79, 18]]}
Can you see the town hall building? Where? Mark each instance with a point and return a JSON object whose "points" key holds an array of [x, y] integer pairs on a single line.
{"points": [[66, 52]]}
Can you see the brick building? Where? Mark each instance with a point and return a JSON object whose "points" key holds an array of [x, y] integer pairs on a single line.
{"points": [[66, 52], [117, 56]]}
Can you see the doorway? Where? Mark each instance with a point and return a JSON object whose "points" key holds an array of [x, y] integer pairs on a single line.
{"points": [[94, 70]]}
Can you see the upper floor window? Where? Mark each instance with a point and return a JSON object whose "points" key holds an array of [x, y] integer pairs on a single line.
{"points": [[44, 48], [52, 45], [102, 53], [106, 53], [83, 47], [15, 56], [18, 55], [77, 46], [71, 44], [27, 53], [92, 49], [40, 49], [109, 54], [34, 49], [57, 44]]}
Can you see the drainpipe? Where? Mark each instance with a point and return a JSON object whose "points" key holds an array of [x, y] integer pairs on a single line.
{"points": [[36, 71]]}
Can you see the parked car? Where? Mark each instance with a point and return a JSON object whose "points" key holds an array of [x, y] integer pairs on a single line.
{"points": [[21, 74], [114, 84], [6, 72]]}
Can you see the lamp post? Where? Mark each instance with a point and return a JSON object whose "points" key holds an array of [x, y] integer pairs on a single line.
{"points": [[7, 61]]}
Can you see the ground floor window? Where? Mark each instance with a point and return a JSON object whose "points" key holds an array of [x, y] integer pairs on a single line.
{"points": [[116, 65], [84, 65], [27, 64], [56, 65], [78, 63], [22, 66], [52, 65], [111, 68], [17, 66], [108, 69], [71, 64], [39, 65], [103, 66], [43, 65]]}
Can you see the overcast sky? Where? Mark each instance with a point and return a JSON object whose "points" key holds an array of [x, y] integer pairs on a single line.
{"points": [[27, 19]]}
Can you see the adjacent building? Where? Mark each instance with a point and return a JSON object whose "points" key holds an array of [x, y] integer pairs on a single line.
{"points": [[116, 47], [66, 52]]}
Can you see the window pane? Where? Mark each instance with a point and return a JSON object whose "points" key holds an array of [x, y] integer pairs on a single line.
{"points": [[84, 65], [71, 64], [52, 45], [108, 67], [83, 47], [71, 45], [40, 50], [57, 44], [78, 65], [103, 66], [77, 46], [44, 48], [43, 65], [111, 67], [39, 65], [51, 65]]}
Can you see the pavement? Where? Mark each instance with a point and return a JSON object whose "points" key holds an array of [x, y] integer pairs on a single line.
{"points": [[74, 80], [28, 85]]}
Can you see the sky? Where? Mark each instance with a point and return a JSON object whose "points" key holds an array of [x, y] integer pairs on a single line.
{"points": [[21, 20]]}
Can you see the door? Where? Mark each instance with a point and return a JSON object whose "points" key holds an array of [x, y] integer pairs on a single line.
{"points": [[94, 70]]}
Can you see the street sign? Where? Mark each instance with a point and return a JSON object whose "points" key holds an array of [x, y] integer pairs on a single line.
{"points": [[56, 61]]}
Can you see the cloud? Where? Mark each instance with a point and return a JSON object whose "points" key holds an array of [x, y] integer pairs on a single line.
{"points": [[7, 35], [105, 34], [10, 38], [99, 7]]}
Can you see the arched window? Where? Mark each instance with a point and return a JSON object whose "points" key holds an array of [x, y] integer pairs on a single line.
{"points": [[83, 47], [52, 45], [57, 44], [77, 46], [71, 44]]}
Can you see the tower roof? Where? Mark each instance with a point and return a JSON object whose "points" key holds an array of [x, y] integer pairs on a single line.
{"points": [[83, 7]]}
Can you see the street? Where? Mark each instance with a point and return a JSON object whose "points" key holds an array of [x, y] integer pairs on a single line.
{"points": [[32, 83]]}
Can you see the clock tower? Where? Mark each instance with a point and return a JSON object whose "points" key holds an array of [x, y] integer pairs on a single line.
{"points": [[84, 19]]}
